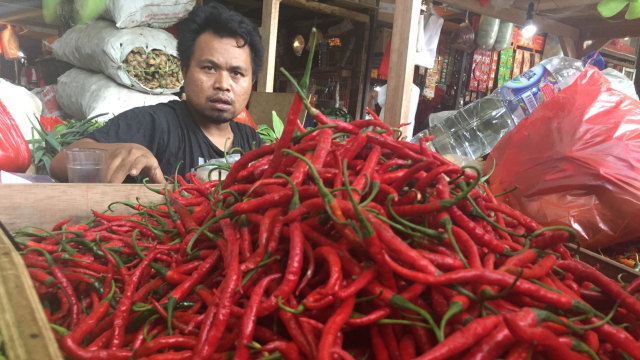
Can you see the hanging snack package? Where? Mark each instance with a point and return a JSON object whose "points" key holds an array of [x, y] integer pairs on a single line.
{"points": [[575, 161]]}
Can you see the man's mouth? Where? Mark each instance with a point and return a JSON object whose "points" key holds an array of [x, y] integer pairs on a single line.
{"points": [[221, 103]]}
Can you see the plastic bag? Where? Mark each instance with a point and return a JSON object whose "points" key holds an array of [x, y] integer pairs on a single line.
{"points": [[15, 155], [487, 31], [463, 38], [505, 33], [576, 162]]}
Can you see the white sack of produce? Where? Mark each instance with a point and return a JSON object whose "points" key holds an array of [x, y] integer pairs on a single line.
{"points": [[84, 94], [153, 13], [23, 106], [142, 58]]}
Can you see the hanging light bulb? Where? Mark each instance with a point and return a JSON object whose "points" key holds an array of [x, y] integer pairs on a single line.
{"points": [[530, 27], [298, 45]]}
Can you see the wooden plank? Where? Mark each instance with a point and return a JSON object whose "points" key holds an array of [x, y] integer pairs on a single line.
{"points": [[328, 9], [24, 329], [47, 204], [612, 269], [518, 16], [402, 62], [262, 104], [269, 33]]}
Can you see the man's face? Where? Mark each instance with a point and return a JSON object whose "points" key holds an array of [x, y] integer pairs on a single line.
{"points": [[218, 81]]}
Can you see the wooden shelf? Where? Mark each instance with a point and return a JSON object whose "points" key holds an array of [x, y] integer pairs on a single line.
{"points": [[618, 54]]}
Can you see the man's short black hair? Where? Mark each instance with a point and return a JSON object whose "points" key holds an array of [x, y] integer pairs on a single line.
{"points": [[223, 22]]}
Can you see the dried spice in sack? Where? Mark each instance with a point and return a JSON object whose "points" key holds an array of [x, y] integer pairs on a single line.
{"points": [[153, 69]]}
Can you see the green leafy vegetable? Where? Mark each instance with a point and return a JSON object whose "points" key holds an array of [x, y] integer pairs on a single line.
{"points": [[45, 145]]}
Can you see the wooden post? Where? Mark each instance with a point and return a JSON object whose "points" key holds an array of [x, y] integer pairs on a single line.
{"points": [[402, 62], [568, 46], [269, 32]]}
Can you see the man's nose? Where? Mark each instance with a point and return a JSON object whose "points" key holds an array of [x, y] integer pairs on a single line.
{"points": [[222, 81]]}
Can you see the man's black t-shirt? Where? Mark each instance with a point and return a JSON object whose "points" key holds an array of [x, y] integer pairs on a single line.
{"points": [[171, 134]]}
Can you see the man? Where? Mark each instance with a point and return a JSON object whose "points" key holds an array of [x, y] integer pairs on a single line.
{"points": [[221, 54]]}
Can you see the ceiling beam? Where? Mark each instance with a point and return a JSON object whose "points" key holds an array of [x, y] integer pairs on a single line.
{"points": [[21, 15], [553, 5], [616, 30], [517, 16], [329, 9], [35, 28]]}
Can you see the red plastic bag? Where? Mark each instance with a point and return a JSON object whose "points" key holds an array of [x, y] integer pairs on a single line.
{"points": [[245, 118], [49, 122], [383, 70], [15, 155], [576, 162]]}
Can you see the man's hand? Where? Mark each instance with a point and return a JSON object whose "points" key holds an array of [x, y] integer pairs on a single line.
{"points": [[132, 159], [122, 159]]}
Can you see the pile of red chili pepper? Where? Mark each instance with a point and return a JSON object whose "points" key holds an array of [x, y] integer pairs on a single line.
{"points": [[337, 242]]}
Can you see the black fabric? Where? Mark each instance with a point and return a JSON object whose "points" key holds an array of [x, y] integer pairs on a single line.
{"points": [[171, 134]]}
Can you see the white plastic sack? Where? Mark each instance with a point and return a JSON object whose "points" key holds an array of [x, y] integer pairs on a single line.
{"points": [[487, 31], [152, 13], [620, 82], [23, 106], [101, 47], [84, 94], [428, 37]]}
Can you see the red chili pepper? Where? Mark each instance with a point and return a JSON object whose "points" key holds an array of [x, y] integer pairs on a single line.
{"points": [[76, 352], [538, 270], [66, 286], [495, 344], [522, 326], [208, 340], [520, 351], [287, 349], [163, 342], [462, 339], [180, 291], [263, 235], [585, 272], [179, 355], [300, 337], [407, 347], [124, 306], [244, 161], [332, 327], [619, 338], [250, 316], [88, 323], [293, 270], [489, 277], [285, 138]]}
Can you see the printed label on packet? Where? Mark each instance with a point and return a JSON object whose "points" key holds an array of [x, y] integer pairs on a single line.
{"points": [[527, 91]]}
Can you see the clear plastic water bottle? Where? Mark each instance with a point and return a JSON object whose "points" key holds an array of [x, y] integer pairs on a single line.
{"points": [[476, 128]]}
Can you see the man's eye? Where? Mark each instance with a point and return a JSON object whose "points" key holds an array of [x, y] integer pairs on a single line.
{"points": [[208, 68], [237, 73]]}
